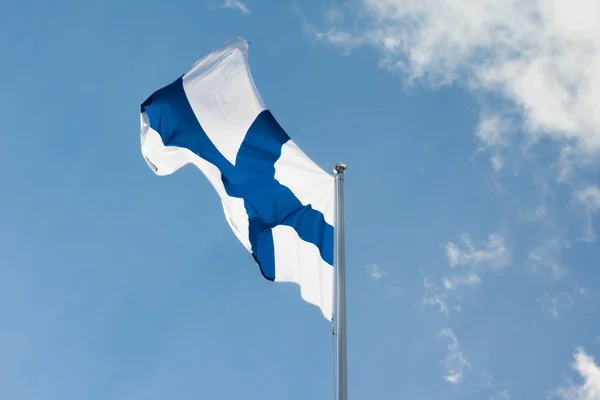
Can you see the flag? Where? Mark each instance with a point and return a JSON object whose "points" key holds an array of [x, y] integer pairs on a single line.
{"points": [[277, 201]]}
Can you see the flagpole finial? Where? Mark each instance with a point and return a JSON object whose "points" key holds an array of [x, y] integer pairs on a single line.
{"points": [[340, 168]]}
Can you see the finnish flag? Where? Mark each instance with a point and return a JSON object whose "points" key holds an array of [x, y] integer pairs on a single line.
{"points": [[277, 201]]}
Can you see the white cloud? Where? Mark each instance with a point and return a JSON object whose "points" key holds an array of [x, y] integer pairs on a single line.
{"points": [[546, 257], [446, 298], [437, 300], [434, 297], [339, 38], [236, 4], [585, 365], [375, 272], [472, 260], [492, 129], [497, 162], [538, 214], [452, 253], [456, 364], [455, 281], [554, 303], [540, 56], [590, 198], [493, 253]]}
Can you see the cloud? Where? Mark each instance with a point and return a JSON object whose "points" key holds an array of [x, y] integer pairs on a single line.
{"points": [[585, 365], [546, 257], [492, 129], [236, 4], [532, 64], [436, 298], [493, 253], [497, 162], [472, 260], [552, 304], [375, 272], [455, 281], [538, 214], [456, 364], [589, 197]]}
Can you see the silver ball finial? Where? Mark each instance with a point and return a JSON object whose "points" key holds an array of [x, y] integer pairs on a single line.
{"points": [[340, 168]]}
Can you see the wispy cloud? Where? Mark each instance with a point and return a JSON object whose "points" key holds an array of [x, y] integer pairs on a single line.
{"points": [[585, 365], [537, 214], [546, 257], [553, 304], [339, 38], [468, 262], [235, 4], [456, 365], [375, 272], [492, 129], [455, 281], [435, 297], [492, 253], [589, 197], [497, 162], [538, 56]]}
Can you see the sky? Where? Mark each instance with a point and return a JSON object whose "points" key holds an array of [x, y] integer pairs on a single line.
{"points": [[471, 132]]}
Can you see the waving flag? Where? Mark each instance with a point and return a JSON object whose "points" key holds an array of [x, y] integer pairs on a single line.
{"points": [[277, 201]]}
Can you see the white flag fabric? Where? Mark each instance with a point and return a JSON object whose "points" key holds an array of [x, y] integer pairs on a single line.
{"points": [[277, 201]]}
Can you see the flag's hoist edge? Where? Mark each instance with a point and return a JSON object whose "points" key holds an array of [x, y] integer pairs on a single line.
{"points": [[277, 201]]}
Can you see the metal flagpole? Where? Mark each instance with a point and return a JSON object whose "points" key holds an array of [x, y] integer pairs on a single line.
{"points": [[340, 268]]}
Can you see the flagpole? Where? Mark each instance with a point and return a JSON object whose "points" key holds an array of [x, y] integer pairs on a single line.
{"points": [[340, 268]]}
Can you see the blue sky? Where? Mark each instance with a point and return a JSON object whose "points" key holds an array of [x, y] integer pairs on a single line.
{"points": [[472, 197]]}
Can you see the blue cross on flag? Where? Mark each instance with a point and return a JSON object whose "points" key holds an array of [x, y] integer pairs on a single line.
{"points": [[277, 201]]}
